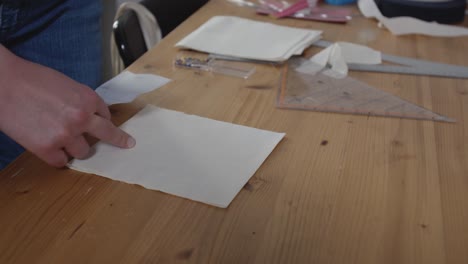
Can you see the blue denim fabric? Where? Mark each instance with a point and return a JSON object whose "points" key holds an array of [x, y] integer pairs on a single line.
{"points": [[61, 34]]}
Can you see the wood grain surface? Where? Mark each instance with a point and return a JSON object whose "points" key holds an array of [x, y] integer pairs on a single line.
{"points": [[338, 189]]}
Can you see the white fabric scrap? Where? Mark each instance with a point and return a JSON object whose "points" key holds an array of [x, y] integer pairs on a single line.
{"points": [[127, 86], [337, 56]]}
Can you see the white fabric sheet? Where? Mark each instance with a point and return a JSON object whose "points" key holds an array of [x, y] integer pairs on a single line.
{"points": [[409, 25], [189, 156], [127, 86], [249, 39]]}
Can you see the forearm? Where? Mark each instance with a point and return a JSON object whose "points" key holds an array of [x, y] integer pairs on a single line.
{"points": [[8, 64], [48, 113]]}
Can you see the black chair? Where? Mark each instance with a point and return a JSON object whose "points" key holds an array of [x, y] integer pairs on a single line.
{"points": [[169, 14]]}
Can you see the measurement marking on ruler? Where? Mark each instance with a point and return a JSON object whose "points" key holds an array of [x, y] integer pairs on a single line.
{"points": [[325, 94]]}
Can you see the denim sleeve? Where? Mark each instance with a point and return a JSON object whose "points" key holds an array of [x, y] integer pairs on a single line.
{"points": [[61, 34]]}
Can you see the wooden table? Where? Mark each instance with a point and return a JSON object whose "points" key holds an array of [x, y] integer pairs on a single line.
{"points": [[338, 189]]}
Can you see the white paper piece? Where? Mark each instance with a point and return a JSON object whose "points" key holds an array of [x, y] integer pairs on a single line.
{"points": [[249, 39], [338, 56], [190, 156], [409, 25], [127, 86]]}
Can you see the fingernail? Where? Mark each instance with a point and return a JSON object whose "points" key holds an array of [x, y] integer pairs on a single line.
{"points": [[131, 142]]}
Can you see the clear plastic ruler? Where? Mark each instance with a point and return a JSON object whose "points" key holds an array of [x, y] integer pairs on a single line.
{"points": [[349, 96]]}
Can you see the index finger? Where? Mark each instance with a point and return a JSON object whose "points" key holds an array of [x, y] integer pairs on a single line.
{"points": [[104, 130], [102, 109]]}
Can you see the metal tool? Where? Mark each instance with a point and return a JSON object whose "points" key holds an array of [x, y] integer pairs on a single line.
{"points": [[407, 66], [326, 94], [210, 64]]}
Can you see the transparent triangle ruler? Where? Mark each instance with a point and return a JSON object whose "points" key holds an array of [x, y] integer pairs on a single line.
{"points": [[349, 96]]}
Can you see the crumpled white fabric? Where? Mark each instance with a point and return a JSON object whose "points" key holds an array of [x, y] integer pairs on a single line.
{"points": [[409, 25], [337, 56]]}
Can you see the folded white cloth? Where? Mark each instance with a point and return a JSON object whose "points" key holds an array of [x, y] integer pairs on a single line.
{"points": [[249, 39]]}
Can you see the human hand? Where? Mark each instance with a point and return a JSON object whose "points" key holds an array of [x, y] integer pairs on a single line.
{"points": [[48, 113]]}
